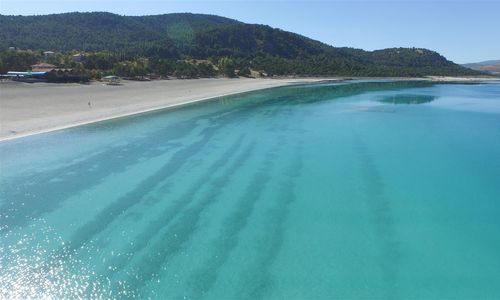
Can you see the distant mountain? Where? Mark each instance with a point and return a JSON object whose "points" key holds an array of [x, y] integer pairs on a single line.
{"points": [[490, 66], [482, 63], [197, 36]]}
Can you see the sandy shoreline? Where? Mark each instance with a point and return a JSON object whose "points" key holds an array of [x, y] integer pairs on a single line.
{"points": [[27, 109]]}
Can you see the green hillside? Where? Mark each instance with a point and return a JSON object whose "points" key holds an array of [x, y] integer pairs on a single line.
{"points": [[179, 37]]}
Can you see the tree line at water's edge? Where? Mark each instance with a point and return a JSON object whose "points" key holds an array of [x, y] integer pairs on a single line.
{"points": [[192, 45]]}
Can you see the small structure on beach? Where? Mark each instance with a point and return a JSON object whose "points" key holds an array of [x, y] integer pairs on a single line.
{"points": [[111, 80], [47, 54], [77, 57]]}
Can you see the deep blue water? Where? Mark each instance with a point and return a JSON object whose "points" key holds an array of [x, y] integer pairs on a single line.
{"points": [[352, 190]]}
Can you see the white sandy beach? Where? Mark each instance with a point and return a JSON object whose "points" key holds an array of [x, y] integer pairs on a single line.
{"points": [[34, 108]]}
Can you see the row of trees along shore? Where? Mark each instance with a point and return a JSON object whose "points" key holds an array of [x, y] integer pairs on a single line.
{"points": [[99, 64], [96, 65]]}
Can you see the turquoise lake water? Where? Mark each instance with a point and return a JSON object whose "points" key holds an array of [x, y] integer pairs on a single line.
{"points": [[350, 190]]}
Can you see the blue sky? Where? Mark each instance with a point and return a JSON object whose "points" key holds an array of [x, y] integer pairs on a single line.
{"points": [[461, 30]]}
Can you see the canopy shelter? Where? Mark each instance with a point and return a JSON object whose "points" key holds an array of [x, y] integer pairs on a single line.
{"points": [[111, 79]]}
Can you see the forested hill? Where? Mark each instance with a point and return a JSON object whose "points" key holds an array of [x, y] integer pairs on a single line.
{"points": [[195, 36]]}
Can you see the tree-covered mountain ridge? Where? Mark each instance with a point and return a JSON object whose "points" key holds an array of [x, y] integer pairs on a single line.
{"points": [[184, 36]]}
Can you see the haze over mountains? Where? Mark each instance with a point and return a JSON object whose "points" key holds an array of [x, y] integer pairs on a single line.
{"points": [[184, 36], [490, 66]]}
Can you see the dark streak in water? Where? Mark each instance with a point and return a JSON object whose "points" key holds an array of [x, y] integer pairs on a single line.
{"points": [[204, 278], [383, 219], [186, 227], [169, 213], [406, 99], [171, 241], [83, 174], [119, 206], [259, 278]]}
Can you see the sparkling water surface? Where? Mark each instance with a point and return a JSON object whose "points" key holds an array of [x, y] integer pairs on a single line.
{"points": [[350, 190]]}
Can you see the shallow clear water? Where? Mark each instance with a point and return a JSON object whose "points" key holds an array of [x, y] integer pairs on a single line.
{"points": [[348, 190]]}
